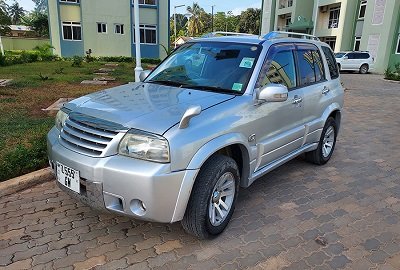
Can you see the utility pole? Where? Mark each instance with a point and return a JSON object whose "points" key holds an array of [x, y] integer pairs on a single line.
{"points": [[212, 18], [175, 22], [138, 68]]}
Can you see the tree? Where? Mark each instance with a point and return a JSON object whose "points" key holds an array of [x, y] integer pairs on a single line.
{"points": [[5, 20], [16, 12], [39, 23], [40, 6], [195, 24], [250, 21]]}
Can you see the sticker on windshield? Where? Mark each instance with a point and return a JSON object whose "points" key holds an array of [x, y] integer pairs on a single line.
{"points": [[237, 87], [247, 62]]}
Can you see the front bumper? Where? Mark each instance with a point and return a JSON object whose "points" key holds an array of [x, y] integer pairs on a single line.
{"points": [[121, 184]]}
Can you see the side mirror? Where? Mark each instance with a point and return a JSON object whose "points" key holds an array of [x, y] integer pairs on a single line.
{"points": [[273, 93], [143, 75], [345, 57]]}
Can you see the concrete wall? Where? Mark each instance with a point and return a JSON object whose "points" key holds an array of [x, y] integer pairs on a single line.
{"points": [[110, 12], [268, 16], [379, 38], [15, 43], [54, 26]]}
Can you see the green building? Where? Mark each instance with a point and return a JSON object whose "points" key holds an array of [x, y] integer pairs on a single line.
{"points": [[346, 25], [106, 27]]}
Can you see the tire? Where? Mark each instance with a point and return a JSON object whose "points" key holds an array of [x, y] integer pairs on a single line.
{"points": [[320, 156], [364, 69], [198, 216]]}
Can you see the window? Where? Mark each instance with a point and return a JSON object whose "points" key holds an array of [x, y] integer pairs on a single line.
{"points": [[351, 56], [148, 34], [101, 27], [363, 7], [398, 45], [334, 14], [72, 31], [288, 20], [332, 65], [331, 41], [70, 1], [119, 29], [310, 65], [279, 67], [290, 3], [357, 43], [148, 2]]}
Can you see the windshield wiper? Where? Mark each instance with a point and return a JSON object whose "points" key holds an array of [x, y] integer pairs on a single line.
{"points": [[167, 82], [210, 88]]}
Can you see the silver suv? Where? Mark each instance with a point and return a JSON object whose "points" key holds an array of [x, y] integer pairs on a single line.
{"points": [[214, 116]]}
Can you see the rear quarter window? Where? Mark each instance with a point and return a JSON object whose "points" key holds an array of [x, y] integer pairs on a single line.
{"points": [[331, 61]]}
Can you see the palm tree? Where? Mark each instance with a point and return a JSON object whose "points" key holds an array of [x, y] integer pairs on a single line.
{"points": [[16, 12], [3, 6], [195, 24]]}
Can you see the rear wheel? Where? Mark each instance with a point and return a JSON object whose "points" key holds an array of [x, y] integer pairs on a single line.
{"points": [[326, 145], [364, 69], [213, 198]]}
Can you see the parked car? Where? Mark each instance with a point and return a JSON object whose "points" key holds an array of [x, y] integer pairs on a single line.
{"points": [[362, 62], [179, 145]]}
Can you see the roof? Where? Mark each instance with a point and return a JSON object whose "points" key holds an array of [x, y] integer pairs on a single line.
{"points": [[185, 38], [20, 28]]}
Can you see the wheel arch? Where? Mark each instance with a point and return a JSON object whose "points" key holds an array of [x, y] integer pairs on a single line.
{"points": [[234, 145]]}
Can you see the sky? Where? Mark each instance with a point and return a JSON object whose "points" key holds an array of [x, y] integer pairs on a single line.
{"points": [[236, 6]]}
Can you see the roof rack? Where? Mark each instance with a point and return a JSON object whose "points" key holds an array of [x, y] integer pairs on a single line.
{"points": [[281, 34], [219, 33]]}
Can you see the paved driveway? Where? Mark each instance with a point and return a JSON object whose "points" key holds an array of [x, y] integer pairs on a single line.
{"points": [[353, 203]]}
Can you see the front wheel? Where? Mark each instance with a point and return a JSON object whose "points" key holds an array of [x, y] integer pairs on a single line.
{"points": [[326, 146], [213, 198]]}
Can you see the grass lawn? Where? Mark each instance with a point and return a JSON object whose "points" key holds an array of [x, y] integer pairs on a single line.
{"points": [[23, 124]]}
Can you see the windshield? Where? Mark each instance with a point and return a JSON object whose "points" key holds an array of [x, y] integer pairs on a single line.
{"points": [[209, 66], [339, 55]]}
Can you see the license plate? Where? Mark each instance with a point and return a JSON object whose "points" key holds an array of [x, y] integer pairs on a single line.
{"points": [[68, 177]]}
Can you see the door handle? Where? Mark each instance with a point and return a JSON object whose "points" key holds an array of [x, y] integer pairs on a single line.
{"points": [[326, 90], [297, 100]]}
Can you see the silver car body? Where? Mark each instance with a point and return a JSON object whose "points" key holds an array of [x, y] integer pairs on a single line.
{"points": [[266, 135]]}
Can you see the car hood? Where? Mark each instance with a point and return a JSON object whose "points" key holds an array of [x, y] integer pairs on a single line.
{"points": [[145, 106]]}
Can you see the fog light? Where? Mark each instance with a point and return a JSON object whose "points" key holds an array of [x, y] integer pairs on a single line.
{"points": [[138, 207]]}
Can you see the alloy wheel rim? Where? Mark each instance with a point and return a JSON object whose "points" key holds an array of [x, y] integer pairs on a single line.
{"points": [[328, 142], [221, 199]]}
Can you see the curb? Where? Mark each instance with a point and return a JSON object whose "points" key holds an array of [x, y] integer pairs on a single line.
{"points": [[25, 181], [390, 81]]}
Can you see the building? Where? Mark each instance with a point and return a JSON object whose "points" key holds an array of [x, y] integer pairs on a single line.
{"points": [[346, 25], [106, 27], [182, 40], [21, 31]]}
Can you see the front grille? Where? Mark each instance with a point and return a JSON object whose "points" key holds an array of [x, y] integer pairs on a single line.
{"points": [[87, 139]]}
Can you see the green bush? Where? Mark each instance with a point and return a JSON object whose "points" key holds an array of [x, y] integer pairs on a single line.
{"points": [[24, 159], [393, 74], [77, 61]]}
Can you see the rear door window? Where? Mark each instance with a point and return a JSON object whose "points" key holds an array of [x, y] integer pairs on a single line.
{"points": [[310, 65], [331, 61]]}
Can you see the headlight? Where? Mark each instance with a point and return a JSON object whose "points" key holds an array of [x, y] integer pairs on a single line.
{"points": [[143, 145], [60, 119]]}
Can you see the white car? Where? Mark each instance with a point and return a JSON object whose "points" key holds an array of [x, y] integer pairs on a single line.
{"points": [[362, 62]]}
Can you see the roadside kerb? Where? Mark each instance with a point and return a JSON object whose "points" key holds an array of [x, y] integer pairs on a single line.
{"points": [[25, 181]]}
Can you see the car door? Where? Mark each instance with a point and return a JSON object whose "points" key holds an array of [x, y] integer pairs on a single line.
{"points": [[316, 89], [279, 127]]}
